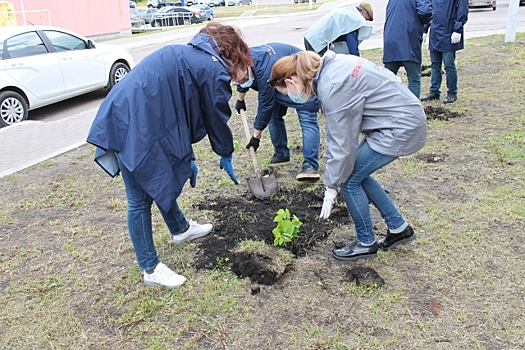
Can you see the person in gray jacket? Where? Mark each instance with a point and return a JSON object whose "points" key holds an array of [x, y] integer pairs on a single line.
{"points": [[358, 97]]}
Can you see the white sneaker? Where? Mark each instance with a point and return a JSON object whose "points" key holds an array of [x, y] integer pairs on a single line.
{"points": [[163, 276], [195, 231]]}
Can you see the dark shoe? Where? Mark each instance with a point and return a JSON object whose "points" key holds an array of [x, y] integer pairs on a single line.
{"points": [[355, 251], [431, 96], [451, 98], [279, 161], [307, 173], [392, 240]]}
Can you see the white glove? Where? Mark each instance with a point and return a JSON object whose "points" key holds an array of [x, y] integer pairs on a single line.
{"points": [[329, 200], [425, 38], [455, 38]]}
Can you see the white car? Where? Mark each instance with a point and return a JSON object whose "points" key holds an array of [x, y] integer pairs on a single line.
{"points": [[41, 65], [482, 3]]}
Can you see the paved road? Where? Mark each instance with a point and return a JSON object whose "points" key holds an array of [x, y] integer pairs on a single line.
{"points": [[31, 142]]}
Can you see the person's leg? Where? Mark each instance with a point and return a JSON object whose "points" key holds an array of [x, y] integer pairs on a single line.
{"points": [[139, 221], [360, 185], [393, 66], [413, 70], [435, 73], [449, 61], [311, 136], [277, 129]]}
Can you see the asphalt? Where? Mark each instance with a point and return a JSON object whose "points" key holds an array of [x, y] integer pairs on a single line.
{"points": [[31, 142]]}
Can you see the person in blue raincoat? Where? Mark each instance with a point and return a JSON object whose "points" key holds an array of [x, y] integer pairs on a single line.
{"points": [[446, 37], [340, 30], [147, 124], [272, 107], [405, 23]]}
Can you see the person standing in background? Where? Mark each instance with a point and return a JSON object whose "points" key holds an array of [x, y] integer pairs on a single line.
{"points": [[405, 23], [340, 30], [446, 37]]}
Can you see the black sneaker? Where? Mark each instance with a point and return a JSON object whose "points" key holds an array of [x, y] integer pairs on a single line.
{"points": [[392, 240], [279, 161], [355, 251], [307, 173], [433, 95]]}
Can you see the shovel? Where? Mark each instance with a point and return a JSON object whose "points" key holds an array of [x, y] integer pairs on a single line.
{"points": [[262, 187]]}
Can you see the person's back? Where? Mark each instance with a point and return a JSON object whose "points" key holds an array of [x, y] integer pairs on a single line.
{"points": [[340, 30]]}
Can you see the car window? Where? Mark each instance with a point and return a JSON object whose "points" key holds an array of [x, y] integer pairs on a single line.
{"points": [[27, 44], [65, 42]]}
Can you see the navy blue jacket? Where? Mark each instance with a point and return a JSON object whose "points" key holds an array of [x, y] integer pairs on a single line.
{"points": [[264, 57], [449, 16], [170, 100], [405, 23]]}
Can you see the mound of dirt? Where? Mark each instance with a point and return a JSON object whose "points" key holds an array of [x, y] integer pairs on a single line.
{"points": [[247, 218]]}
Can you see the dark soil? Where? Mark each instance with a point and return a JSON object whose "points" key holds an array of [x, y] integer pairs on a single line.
{"points": [[248, 218]]}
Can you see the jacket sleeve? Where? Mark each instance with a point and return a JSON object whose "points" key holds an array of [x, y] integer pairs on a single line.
{"points": [[353, 43], [424, 11], [266, 103], [343, 124], [461, 16], [216, 113]]}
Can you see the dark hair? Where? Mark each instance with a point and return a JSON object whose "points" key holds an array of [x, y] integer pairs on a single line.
{"points": [[231, 46]]}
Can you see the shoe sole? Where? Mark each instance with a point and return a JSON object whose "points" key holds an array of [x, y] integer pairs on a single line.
{"points": [[353, 258], [190, 238], [303, 177], [153, 284], [398, 243]]}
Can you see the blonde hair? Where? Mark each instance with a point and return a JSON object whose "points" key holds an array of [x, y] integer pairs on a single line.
{"points": [[303, 65]]}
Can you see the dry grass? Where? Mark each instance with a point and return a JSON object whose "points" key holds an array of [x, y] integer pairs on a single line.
{"points": [[68, 278]]}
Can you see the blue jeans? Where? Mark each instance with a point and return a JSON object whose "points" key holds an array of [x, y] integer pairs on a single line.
{"points": [[413, 70], [449, 60], [361, 189], [139, 221], [307, 114]]}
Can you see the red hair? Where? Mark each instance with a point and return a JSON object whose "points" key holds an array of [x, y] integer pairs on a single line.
{"points": [[231, 46]]}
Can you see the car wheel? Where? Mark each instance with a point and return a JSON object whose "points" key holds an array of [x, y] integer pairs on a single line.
{"points": [[118, 71], [13, 108]]}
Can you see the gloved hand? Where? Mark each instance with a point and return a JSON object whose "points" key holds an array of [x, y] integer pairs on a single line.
{"points": [[329, 199], [425, 38], [193, 178], [455, 38], [226, 164], [254, 142], [240, 105]]}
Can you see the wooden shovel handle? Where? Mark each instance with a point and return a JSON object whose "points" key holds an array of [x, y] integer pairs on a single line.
{"points": [[252, 151]]}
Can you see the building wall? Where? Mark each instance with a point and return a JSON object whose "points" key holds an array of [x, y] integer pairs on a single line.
{"points": [[92, 18]]}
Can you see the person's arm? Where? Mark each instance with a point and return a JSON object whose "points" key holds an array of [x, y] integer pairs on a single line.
{"points": [[424, 12], [353, 43], [461, 16], [266, 103], [216, 94]]}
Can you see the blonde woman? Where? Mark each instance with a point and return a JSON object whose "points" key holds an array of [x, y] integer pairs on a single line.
{"points": [[358, 98]]}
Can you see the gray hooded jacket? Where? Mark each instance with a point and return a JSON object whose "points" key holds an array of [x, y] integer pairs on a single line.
{"points": [[359, 96]]}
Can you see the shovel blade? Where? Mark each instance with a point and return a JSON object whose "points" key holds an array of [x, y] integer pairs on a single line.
{"points": [[263, 187]]}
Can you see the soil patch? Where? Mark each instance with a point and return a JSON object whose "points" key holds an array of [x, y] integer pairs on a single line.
{"points": [[440, 113], [247, 218]]}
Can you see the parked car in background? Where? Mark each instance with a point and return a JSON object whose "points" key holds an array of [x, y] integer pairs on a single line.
{"points": [[144, 13], [132, 4], [216, 3], [482, 3], [234, 2], [174, 15], [41, 65], [207, 10]]}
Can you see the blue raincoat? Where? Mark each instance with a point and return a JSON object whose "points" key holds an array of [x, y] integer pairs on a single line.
{"points": [[264, 57], [449, 16], [170, 100], [406, 21]]}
